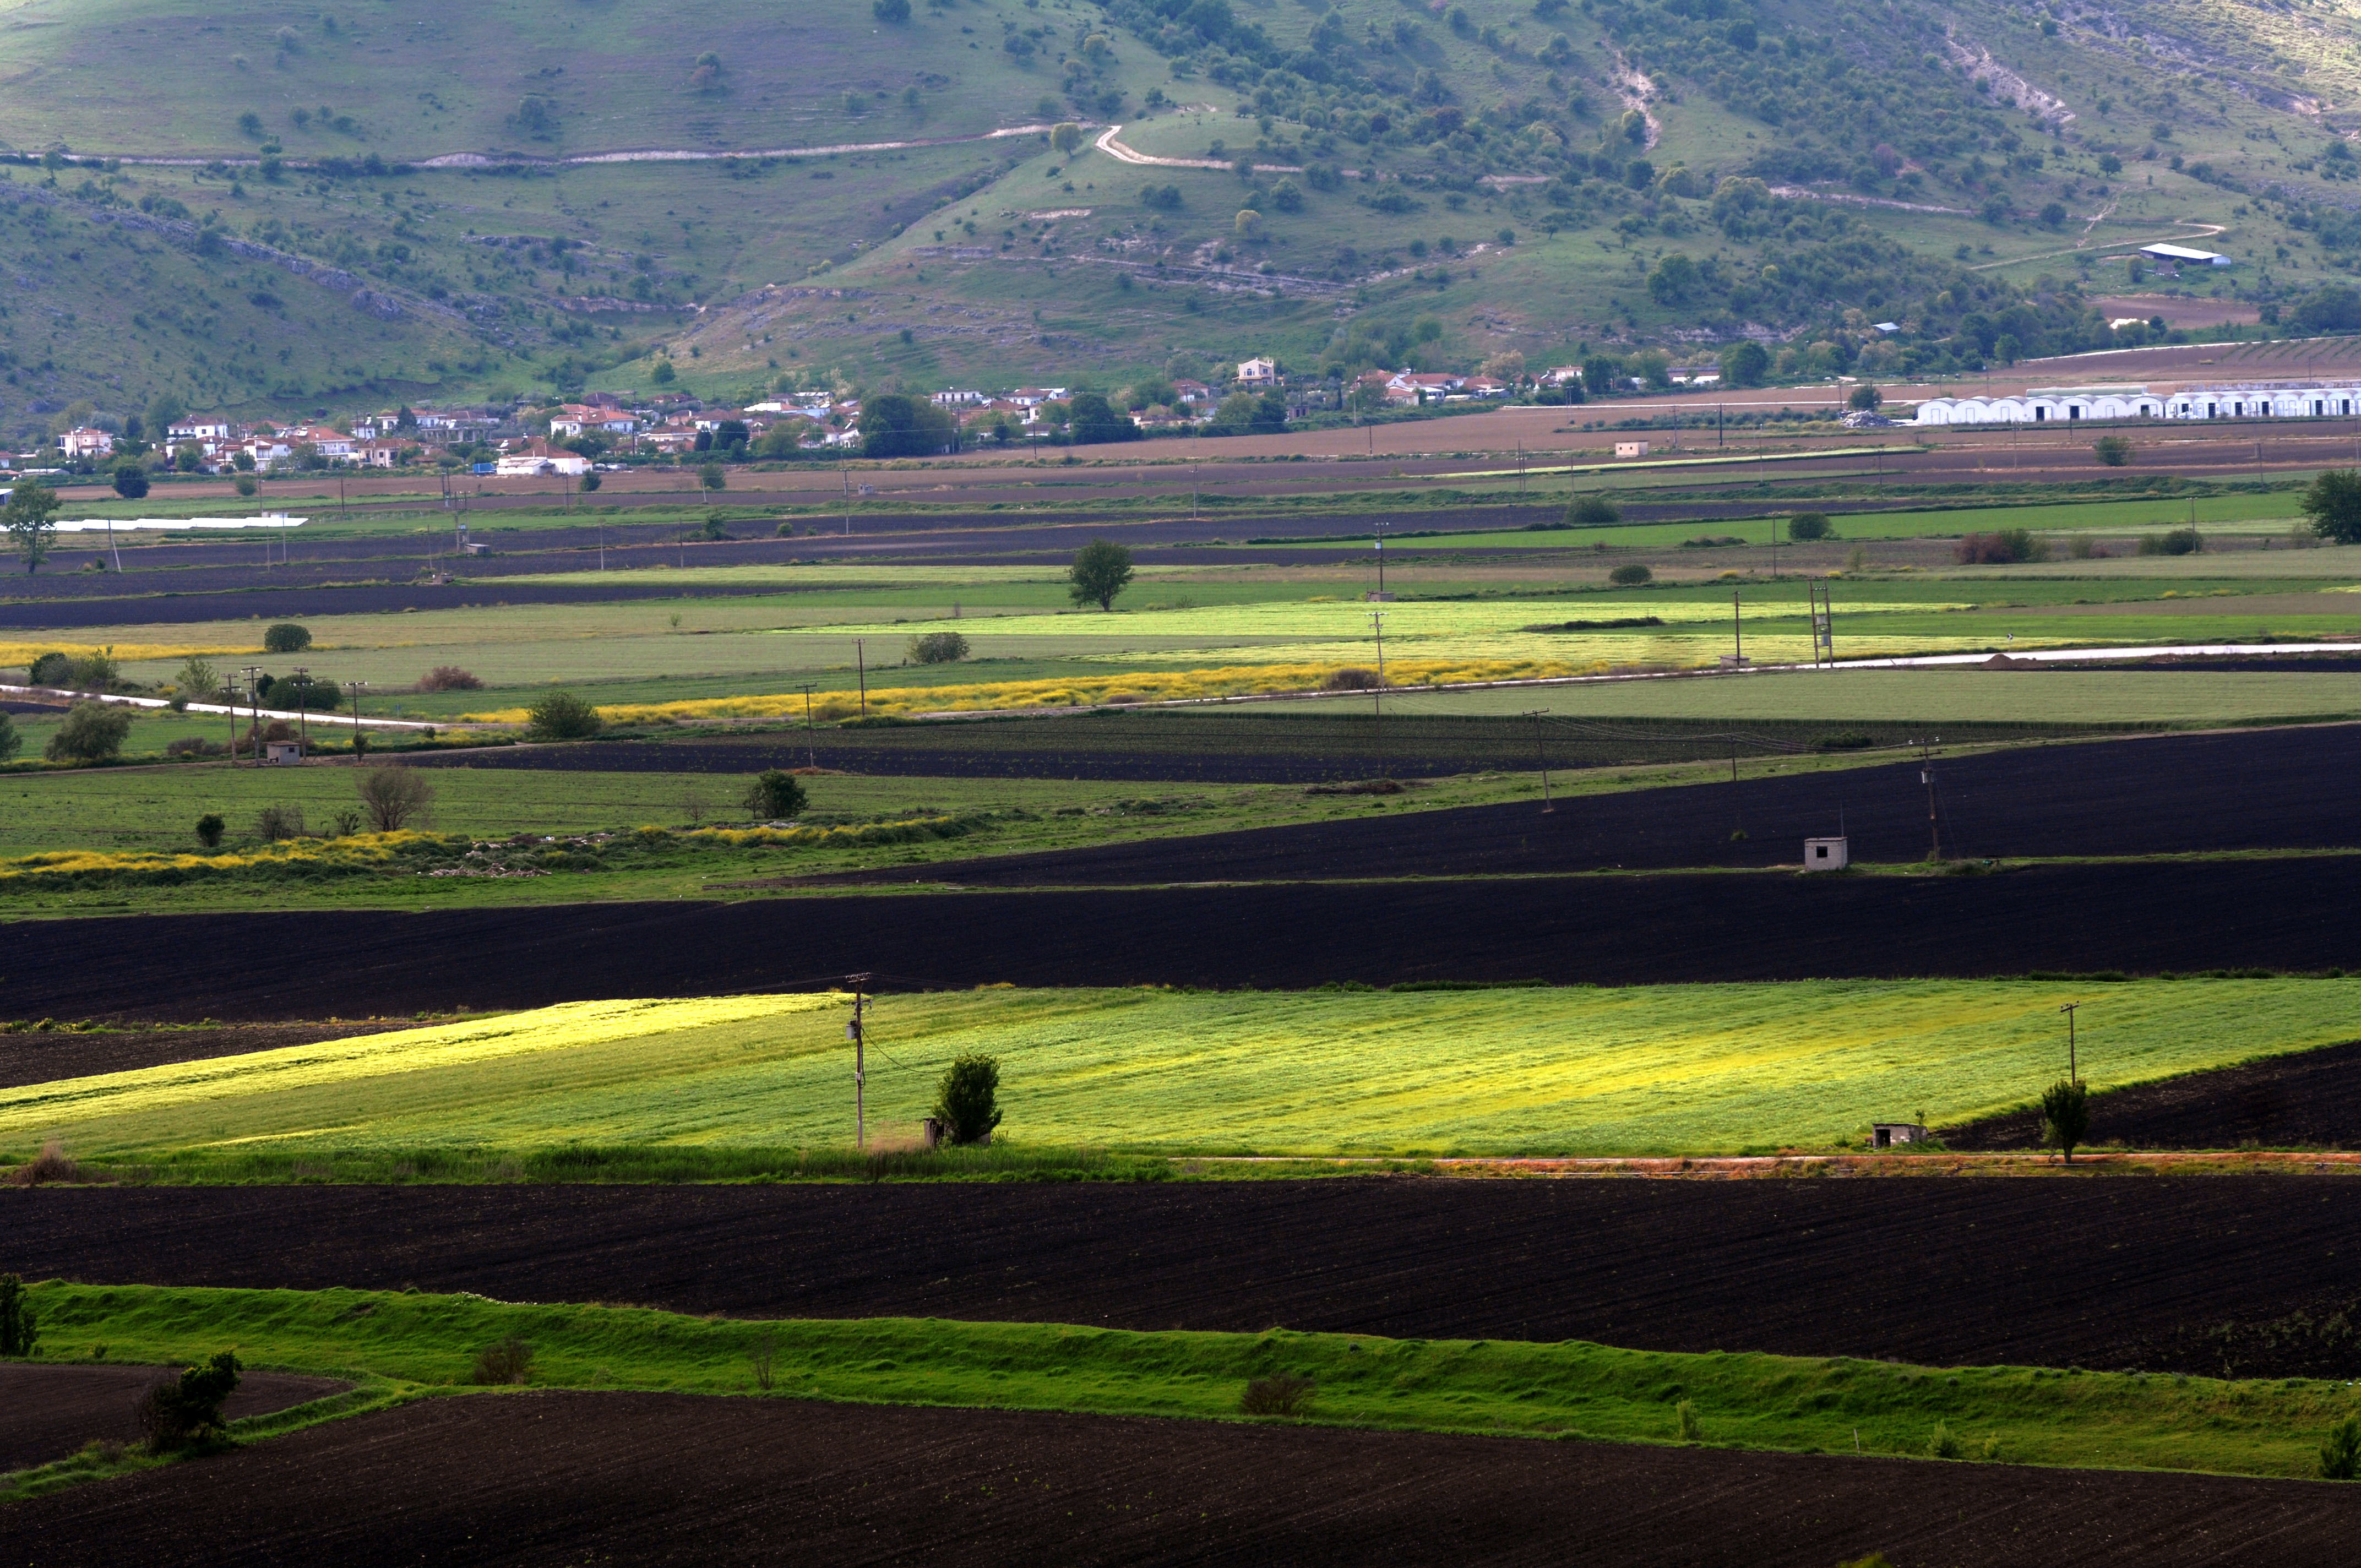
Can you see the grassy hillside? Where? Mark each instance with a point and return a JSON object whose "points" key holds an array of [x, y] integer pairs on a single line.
{"points": [[1428, 185]]}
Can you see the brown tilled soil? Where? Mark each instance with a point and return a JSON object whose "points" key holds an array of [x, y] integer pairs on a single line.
{"points": [[2308, 1100], [2131, 1272], [39, 1057], [50, 1411], [658, 1478]]}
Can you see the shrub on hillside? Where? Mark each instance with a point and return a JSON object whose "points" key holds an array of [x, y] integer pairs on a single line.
{"points": [[175, 1415], [502, 1362], [286, 637], [1592, 511], [448, 678], [2008, 547], [1810, 525], [966, 1101], [1630, 575], [2340, 1451], [20, 1330], [938, 648], [209, 829], [1279, 1394], [2066, 1115], [562, 716], [93, 733]]}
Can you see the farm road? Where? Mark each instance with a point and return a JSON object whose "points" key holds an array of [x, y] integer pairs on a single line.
{"points": [[669, 1478], [2282, 914], [2165, 794], [2045, 1272]]}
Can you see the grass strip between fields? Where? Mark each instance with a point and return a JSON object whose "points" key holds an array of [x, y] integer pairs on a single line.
{"points": [[1573, 1389]]}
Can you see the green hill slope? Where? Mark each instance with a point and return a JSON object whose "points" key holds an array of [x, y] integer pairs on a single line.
{"points": [[506, 196]]}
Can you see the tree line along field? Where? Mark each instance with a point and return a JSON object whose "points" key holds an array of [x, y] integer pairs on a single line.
{"points": [[1678, 1069]]}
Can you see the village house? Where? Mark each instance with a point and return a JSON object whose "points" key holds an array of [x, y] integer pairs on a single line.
{"points": [[1191, 394], [538, 457], [1258, 374], [1411, 387], [84, 441], [197, 429]]}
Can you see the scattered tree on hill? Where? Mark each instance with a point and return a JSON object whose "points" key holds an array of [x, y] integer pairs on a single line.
{"points": [[1865, 398], [2333, 504], [197, 679], [20, 1330], [394, 797], [286, 637], [130, 480], [1810, 525], [2066, 1115], [1066, 137], [895, 424], [93, 733], [2340, 1451], [30, 520], [894, 12], [775, 797], [1090, 419], [1102, 569], [1745, 364], [562, 716], [179, 1415], [966, 1099]]}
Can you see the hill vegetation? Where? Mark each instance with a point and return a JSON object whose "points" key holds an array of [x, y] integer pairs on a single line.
{"points": [[496, 199]]}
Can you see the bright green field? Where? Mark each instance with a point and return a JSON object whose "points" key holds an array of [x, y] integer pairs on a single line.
{"points": [[1694, 1069], [424, 1343]]}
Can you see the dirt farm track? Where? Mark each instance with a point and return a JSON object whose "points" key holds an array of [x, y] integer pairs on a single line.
{"points": [[2121, 1273], [660, 1478]]}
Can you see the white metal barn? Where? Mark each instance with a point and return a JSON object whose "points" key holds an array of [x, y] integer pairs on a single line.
{"points": [[2064, 405]]}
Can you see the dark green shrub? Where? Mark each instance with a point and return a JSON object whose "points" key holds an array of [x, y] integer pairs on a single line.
{"points": [[305, 694], [1280, 1393], [181, 1414], [2340, 1451], [2066, 1115], [965, 1101], [209, 829], [286, 637], [19, 1330], [938, 648], [1630, 575], [502, 1362], [2177, 542], [2006, 547], [2112, 450], [775, 797], [273, 822], [1844, 741], [48, 670], [562, 716], [93, 733], [1592, 511], [1810, 525], [10, 741]]}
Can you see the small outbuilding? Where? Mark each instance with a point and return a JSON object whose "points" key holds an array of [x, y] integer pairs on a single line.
{"points": [[1630, 449], [282, 753], [1827, 854], [1889, 1134]]}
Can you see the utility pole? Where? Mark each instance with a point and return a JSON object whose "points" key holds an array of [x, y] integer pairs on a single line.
{"points": [[303, 709], [229, 701], [860, 662], [359, 745], [1737, 632], [810, 745], [254, 692], [1378, 697], [1540, 756], [854, 1032], [1927, 777], [1381, 560], [2073, 1072]]}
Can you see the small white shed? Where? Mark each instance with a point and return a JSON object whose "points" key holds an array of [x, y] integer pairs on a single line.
{"points": [[1886, 1135], [1827, 854], [282, 753], [1630, 449]]}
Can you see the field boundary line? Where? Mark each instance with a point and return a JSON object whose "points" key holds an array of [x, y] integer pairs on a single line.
{"points": [[1709, 1168]]}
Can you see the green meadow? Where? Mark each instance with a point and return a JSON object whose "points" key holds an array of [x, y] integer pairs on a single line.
{"points": [[1645, 1069], [419, 1344]]}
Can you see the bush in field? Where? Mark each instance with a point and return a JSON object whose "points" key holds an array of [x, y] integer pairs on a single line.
{"points": [[286, 637], [393, 796], [2177, 542], [562, 716], [210, 828], [1942, 1445], [1102, 569], [175, 1415], [1630, 575], [1280, 1393], [448, 678], [197, 679], [19, 1330], [2008, 547], [774, 796], [1685, 1422], [10, 741], [48, 670], [91, 671], [2112, 450], [1351, 678], [2340, 1451], [2332, 503], [2066, 1115], [937, 647], [1810, 525], [504, 1361], [273, 822], [965, 1102], [1592, 511], [93, 733]]}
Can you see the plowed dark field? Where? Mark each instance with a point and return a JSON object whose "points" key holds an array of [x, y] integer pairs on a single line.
{"points": [[39, 1057], [2261, 789], [665, 1479], [2308, 1100], [2126, 1273], [1611, 930], [48, 1412]]}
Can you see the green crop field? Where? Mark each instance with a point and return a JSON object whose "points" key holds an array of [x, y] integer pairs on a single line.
{"points": [[1688, 1070], [408, 1343]]}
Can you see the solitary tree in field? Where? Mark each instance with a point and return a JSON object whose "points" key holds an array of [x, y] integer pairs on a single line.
{"points": [[1592, 511], [130, 481], [392, 796], [775, 796], [30, 520], [1102, 569], [2113, 451], [562, 716], [966, 1099], [2333, 505], [2066, 1113], [1067, 137]]}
